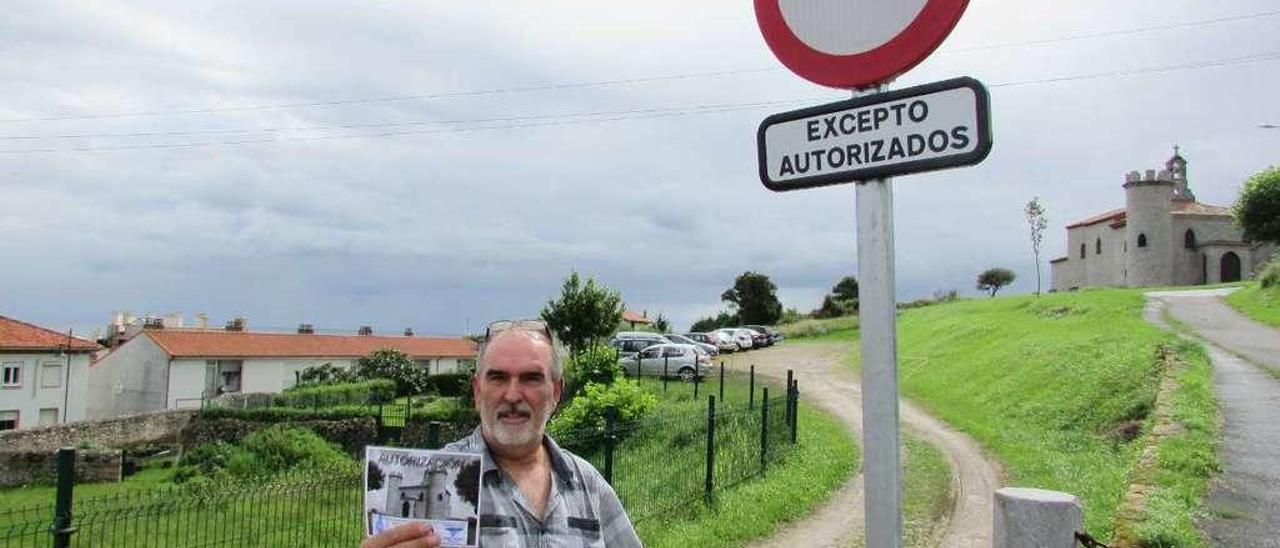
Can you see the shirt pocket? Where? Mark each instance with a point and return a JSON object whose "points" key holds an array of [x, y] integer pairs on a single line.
{"points": [[586, 528]]}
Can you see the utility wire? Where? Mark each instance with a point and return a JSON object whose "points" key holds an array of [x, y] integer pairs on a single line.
{"points": [[617, 82], [562, 120]]}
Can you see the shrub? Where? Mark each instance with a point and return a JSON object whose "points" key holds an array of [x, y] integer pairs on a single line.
{"points": [[597, 364], [266, 452], [326, 395], [287, 414], [586, 412], [326, 373], [1270, 276], [444, 409], [388, 363], [449, 384]]}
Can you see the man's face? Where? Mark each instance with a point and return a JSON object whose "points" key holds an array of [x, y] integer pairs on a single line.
{"points": [[514, 392]]}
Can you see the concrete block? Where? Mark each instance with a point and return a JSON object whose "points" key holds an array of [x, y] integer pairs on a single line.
{"points": [[1036, 518]]}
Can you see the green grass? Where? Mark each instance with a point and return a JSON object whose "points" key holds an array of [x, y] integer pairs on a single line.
{"points": [[926, 490], [819, 330], [1262, 305], [147, 479], [824, 458], [1185, 461]]}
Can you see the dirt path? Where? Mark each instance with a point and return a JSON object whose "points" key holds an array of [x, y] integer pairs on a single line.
{"points": [[1246, 496], [827, 382]]}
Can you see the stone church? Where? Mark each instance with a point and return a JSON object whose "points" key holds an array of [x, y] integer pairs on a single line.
{"points": [[1162, 236]]}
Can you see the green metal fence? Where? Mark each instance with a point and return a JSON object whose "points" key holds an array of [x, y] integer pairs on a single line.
{"points": [[659, 466]]}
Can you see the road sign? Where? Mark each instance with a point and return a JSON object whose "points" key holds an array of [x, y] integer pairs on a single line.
{"points": [[924, 128], [855, 43]]}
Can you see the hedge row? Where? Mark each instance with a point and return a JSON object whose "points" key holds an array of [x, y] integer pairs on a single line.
{"points": [[449, 384], [352, 434], [368, 392]]}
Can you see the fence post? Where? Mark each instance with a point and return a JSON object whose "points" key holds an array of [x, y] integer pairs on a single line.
{"points": [[711, 449], [764, 427], [751, 399], [664, 373], [795, 409], [610, 417], [433, 435], [638, 367], [62, 529], [787, 412], [1035, 517], [721, 380], [697, 379]]}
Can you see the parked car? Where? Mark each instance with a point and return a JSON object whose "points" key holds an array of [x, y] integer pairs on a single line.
{"points": [[768, 332], [629, 343], [742, 337], [680, 360], [681, 339], [722, 341]]}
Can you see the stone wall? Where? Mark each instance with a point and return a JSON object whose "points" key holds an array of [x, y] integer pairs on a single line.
{"points": [[40, 467], [351, 434], [146, 428]]}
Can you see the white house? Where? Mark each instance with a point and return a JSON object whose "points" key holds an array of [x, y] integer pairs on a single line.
{"points": [[164, 368], [44, 375]]}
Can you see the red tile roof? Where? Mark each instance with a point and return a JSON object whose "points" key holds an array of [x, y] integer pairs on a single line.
{"points": [[634, 317], [1114, 215], [19, 335], [242, 344]]}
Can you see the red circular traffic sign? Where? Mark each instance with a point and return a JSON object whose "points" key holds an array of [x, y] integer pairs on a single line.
{"points": [[855, 43]]}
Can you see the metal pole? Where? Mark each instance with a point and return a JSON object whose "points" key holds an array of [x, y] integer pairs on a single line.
{"points": [[787, 413], [665, 359], [721, 381], [62, 529], [709, 484], [610, 417], [764, 428], [878, 317], [751, 389]]}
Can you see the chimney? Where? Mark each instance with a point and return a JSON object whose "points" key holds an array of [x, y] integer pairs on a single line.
{"points": [[408, 331], [306, 329], [238, 324], [152, 322], [644, 313], [365, 331], [202, 320]]}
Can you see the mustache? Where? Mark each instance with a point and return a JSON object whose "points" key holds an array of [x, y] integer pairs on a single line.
{"points": [[520, 409]]}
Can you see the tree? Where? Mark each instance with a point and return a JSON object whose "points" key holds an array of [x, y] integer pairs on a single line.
{"points": [[661, 324], [832, 307], [373, 476], [584, 313], [846, 289], [1038, 222], [465, 484], [389, 363], [723, 319], [1258, 208], [756, 299], [995, 278]]}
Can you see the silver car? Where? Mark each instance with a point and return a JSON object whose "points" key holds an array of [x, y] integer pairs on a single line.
{"points": [[681, 339], [681, 360], [740, 336]]}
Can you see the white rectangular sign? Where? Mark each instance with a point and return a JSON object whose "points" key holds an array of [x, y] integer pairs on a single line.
{"points": [[924, 128]]}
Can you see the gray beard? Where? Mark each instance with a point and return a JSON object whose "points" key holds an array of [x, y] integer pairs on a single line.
{"points": [[511, 435]]}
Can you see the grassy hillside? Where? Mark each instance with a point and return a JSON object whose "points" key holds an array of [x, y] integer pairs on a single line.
{"points": [[1054, 386], [1263, 305]]}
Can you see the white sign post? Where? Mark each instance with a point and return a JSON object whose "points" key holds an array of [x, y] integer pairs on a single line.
{"points": [[862, 44]]}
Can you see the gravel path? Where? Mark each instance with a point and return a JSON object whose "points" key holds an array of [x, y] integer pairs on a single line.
{"points": [[1246, 496], [827, 382]]}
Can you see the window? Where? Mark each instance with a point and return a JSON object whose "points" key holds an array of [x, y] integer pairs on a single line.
{"points": [[1097, 246], [1142, 240], [1081, 251], [49, 416], [8, 420], [11, 377], [650, 352], [50, 375], [1189, 239], [672, 352]]}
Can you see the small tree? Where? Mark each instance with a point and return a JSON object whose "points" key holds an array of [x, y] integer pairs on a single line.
{"points": [[584, 313], [993, 279], [1258, 208], [389, 363], [723, 319], [1038, 222], [846, 290], [661, 324], [832, 307], [756, 299]]}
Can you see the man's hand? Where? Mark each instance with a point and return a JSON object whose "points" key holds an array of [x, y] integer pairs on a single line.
{"points": [[409, 535]]}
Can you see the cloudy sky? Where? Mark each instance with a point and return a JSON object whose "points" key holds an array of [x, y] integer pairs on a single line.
{"points": [[442, 164]]}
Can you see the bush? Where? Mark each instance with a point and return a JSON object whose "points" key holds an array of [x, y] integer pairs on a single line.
{"points": [[586, 412], [1270, 276], [287, 414], [326, 373], [266, 452], [369, 392], [388, 363], [597, 364], [445, 410], [449, 384]]}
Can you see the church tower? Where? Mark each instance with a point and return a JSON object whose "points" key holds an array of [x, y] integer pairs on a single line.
{"points": [[1148, 199], [1177, 168]]}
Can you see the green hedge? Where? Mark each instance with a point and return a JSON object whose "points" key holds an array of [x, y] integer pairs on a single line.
{"points": [[449, 384], [285, 414], [326, 395]]}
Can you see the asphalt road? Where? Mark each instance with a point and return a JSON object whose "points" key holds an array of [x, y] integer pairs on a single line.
{"points": [[1245, 498]]}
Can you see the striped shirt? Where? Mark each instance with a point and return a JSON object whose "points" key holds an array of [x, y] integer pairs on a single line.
{"points": [[582, 510]]}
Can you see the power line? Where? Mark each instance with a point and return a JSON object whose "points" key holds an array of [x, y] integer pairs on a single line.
{"points": [[614, 116], [615, 82]]}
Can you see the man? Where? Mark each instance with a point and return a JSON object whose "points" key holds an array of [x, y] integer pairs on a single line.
{"points": [[535, 493]]}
